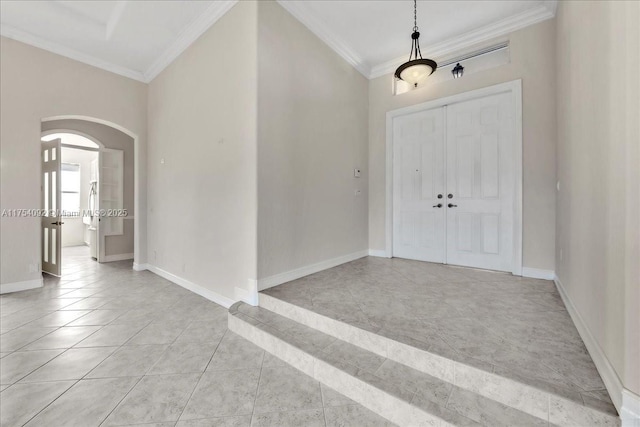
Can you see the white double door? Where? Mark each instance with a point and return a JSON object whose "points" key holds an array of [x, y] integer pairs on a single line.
{"points": [[454, 182]]}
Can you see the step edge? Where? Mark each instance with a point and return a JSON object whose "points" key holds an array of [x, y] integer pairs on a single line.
{"points": [[395, 409], [523, 397]]}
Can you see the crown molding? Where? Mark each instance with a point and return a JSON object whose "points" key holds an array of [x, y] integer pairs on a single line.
{"points": [[219, 8], [36, 41], [321, 30], [500, 28], [190, 34]]}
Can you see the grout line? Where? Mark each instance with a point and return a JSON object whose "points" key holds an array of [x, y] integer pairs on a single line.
{"points": [[324, 414], [200, 377], [50, 403], [255, 398], [121, 400]]}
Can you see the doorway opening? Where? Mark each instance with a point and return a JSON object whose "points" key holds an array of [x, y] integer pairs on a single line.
{"points": [[88, 196]]}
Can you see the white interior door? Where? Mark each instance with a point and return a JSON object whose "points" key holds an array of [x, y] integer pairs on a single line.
{"points": [[51, 221], [418, 193], [480, 183]]}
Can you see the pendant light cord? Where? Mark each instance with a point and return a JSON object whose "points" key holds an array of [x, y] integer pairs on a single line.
{"points": [[415, 45]]}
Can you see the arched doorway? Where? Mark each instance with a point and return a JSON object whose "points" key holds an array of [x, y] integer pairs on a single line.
{"points": [[116, 176]]}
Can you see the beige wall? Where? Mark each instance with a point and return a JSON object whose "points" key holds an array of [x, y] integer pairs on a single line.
{"points": [[111, 138], [202, 158], [598, 218], [532, 60], [312, 133], [35, 84]]}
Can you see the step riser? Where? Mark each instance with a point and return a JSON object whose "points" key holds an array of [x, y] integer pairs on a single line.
{"points": [[383, 404], [285, 351], [429, 363], [538, 403]]}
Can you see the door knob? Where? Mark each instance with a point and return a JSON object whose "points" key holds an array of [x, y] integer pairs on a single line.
{"points": [[439, 196], [439, 205], [450, 196], [451, 205]]}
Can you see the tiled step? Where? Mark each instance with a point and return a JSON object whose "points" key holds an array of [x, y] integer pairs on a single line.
{"points": [[530, 397], [401, 394]]}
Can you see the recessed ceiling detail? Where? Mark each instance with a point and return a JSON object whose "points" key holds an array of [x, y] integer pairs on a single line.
{"points": [[138, 39]]}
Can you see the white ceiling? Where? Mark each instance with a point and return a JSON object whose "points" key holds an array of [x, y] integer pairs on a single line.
{"points": [[133, 38], [138, 38]]}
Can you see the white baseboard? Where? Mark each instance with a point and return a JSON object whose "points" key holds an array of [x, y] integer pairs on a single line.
{"points": [[605, 369], [287, 276], [537, 273], [117, 257], [198, 289], [6, 288], [630, 412], [250, 296], [140, 267], [381, 253]]}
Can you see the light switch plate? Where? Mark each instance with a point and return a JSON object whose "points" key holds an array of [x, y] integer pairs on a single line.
{"points": [[356, 173]]}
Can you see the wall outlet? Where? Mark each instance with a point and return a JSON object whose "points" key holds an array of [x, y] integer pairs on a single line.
{"points": [[356, 173]]}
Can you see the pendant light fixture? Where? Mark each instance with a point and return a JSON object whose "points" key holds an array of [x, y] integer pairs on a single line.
{"points": [[416, 69]]}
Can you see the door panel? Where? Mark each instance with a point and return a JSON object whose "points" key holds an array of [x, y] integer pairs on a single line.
{"points": [[418, 169], [51, 221], [480, 178]]}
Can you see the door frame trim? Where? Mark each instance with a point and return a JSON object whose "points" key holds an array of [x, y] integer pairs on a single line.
{"points": [[515, 87]]}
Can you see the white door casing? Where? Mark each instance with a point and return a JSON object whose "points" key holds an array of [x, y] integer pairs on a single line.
{"points": [[483, 157], [419, 226], [480, 180], [110, 196], [51, 220]]}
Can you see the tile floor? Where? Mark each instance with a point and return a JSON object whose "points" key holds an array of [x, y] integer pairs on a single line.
{"points": [[106, 345], [399, 384], [513, 326]]}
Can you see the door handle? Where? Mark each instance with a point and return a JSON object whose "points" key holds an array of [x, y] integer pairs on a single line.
{"points": [[57, 223], [439, 205], [451, 205]]}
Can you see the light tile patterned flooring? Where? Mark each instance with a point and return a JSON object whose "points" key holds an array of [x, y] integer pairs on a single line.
{"points": [[106, 345], [513, 326]]}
